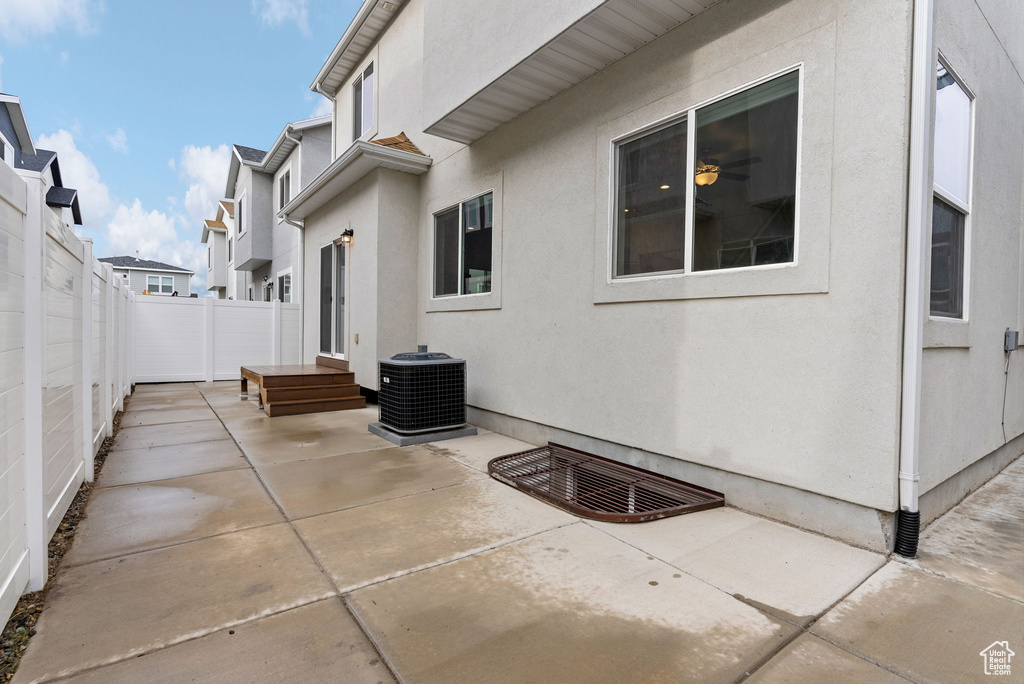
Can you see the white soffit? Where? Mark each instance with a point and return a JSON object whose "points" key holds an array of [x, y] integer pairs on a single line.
{"points": [[357, 161], [605, 35], [358, 38]]}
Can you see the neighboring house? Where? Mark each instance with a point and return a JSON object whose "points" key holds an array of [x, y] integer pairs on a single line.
{"points": [[260, 183], [39, 168], [143, 275], [767, 247], [222, 277]]}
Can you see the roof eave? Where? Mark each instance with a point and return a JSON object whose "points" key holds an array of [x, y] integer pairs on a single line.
{"points": [[383, 156], [355, 29], [13, 103]]}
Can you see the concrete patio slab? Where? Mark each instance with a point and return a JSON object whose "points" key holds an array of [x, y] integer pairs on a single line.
{"points": [[295, 438], [148, 388], [922, 626], [569, 605], [165, 462], [795, 574], [176, 400], [981, 541], [136, 518], [370, 543], [477, 450], [173, 433], [315, 643], [322, 485], [160, 416], [810, 660], [113, 610]]}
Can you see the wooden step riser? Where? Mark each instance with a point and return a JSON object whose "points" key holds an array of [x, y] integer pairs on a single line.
{"points": [[331, 362], [275, 394], [279, 409], [339, 378]]}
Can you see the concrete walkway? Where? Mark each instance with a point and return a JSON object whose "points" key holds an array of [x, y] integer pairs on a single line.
{"points": [[222, 545]]}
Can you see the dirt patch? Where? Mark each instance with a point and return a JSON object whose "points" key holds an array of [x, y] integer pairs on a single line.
{"points": [[22, 624]]}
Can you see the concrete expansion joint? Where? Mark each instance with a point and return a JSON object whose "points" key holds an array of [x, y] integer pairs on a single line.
{"points": [[915, 563]]}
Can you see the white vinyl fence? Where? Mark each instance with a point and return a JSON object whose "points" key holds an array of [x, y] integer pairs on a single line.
{"points": [[178, 339], [65, 330]]}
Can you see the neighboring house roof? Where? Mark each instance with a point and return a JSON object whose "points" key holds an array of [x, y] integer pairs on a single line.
{"points": [[250, 154], [399, 142], [240, 154], [288, 139], [370, 21], [38, 162], [228, 206], [211, 225], [65, 197], [13, 105], [354, 163], [135, 264]]}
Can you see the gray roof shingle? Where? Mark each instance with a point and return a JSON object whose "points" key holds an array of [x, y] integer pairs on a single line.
{"points": [[135, 262], [250, 154], [36, 162], [60, 197]]}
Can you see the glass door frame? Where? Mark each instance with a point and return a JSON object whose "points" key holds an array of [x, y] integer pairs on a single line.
{"points": [[338, 347]]}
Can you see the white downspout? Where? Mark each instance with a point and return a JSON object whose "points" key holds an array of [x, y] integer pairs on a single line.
{"points": [[919, 200]]}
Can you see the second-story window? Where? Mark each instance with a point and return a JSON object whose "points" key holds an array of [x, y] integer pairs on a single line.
{"points": [[230, 255], [362, 103], [209, 256], [284, 190], [240, 216]]}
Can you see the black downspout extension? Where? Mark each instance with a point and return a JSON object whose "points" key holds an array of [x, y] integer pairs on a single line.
{"points": [[908, 530]]}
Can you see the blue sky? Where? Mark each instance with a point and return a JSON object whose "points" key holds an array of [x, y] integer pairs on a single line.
{"points": [[142, 100]]}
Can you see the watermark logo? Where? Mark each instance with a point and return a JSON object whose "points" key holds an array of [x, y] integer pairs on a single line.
{"points": [[997, 658]]}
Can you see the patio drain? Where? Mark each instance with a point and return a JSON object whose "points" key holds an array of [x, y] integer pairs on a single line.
{"points": [[599, 489]]}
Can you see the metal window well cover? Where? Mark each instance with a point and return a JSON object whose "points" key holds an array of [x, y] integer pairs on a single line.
{"points": [[600, 489]]}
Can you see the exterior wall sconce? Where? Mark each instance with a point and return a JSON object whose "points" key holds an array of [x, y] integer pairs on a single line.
{"points": [[346, 237], [264, 278]]}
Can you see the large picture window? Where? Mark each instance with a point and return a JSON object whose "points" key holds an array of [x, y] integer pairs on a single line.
{"points": [[951, 207], [462, 248], [715, 189]]}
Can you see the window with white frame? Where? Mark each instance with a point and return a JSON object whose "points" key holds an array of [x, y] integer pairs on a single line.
{"points": [[231, 256], [240, 215], [713, 189], [6, 151], [209, 256], [951, 205], [284, 287], [362, 103], [284, 189], [332, 298], [160, 284], [462, 247]]}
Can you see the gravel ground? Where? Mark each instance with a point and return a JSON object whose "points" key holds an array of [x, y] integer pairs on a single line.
{"points": [[22, 624]]}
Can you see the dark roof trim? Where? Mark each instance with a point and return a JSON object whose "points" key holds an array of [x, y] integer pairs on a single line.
{"points": [[136, 264], [65, 197]]}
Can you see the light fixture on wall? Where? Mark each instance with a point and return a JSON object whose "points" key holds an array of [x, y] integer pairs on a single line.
{"points": [[706, 173], [265, 278], [346, 237]]}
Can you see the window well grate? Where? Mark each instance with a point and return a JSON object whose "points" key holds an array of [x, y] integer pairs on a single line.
{"points": [[593, 487]]}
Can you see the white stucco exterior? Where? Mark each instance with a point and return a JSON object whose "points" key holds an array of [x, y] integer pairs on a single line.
{"points": [[779, 386]]}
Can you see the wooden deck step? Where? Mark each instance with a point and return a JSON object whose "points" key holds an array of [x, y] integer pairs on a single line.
{"points": [[334, 377], [276, 394], [299, 406]]}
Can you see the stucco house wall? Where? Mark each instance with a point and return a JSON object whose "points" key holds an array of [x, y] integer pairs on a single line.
{"points": [[781, 386], [963, 415]]}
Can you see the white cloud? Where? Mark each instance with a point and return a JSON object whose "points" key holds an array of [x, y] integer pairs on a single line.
{"points": [[172, 163], [277, 12], [118, 141], [64, 55], [323, 108], [77, 171], [154, 235], [206, 170], [23, 19]]}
